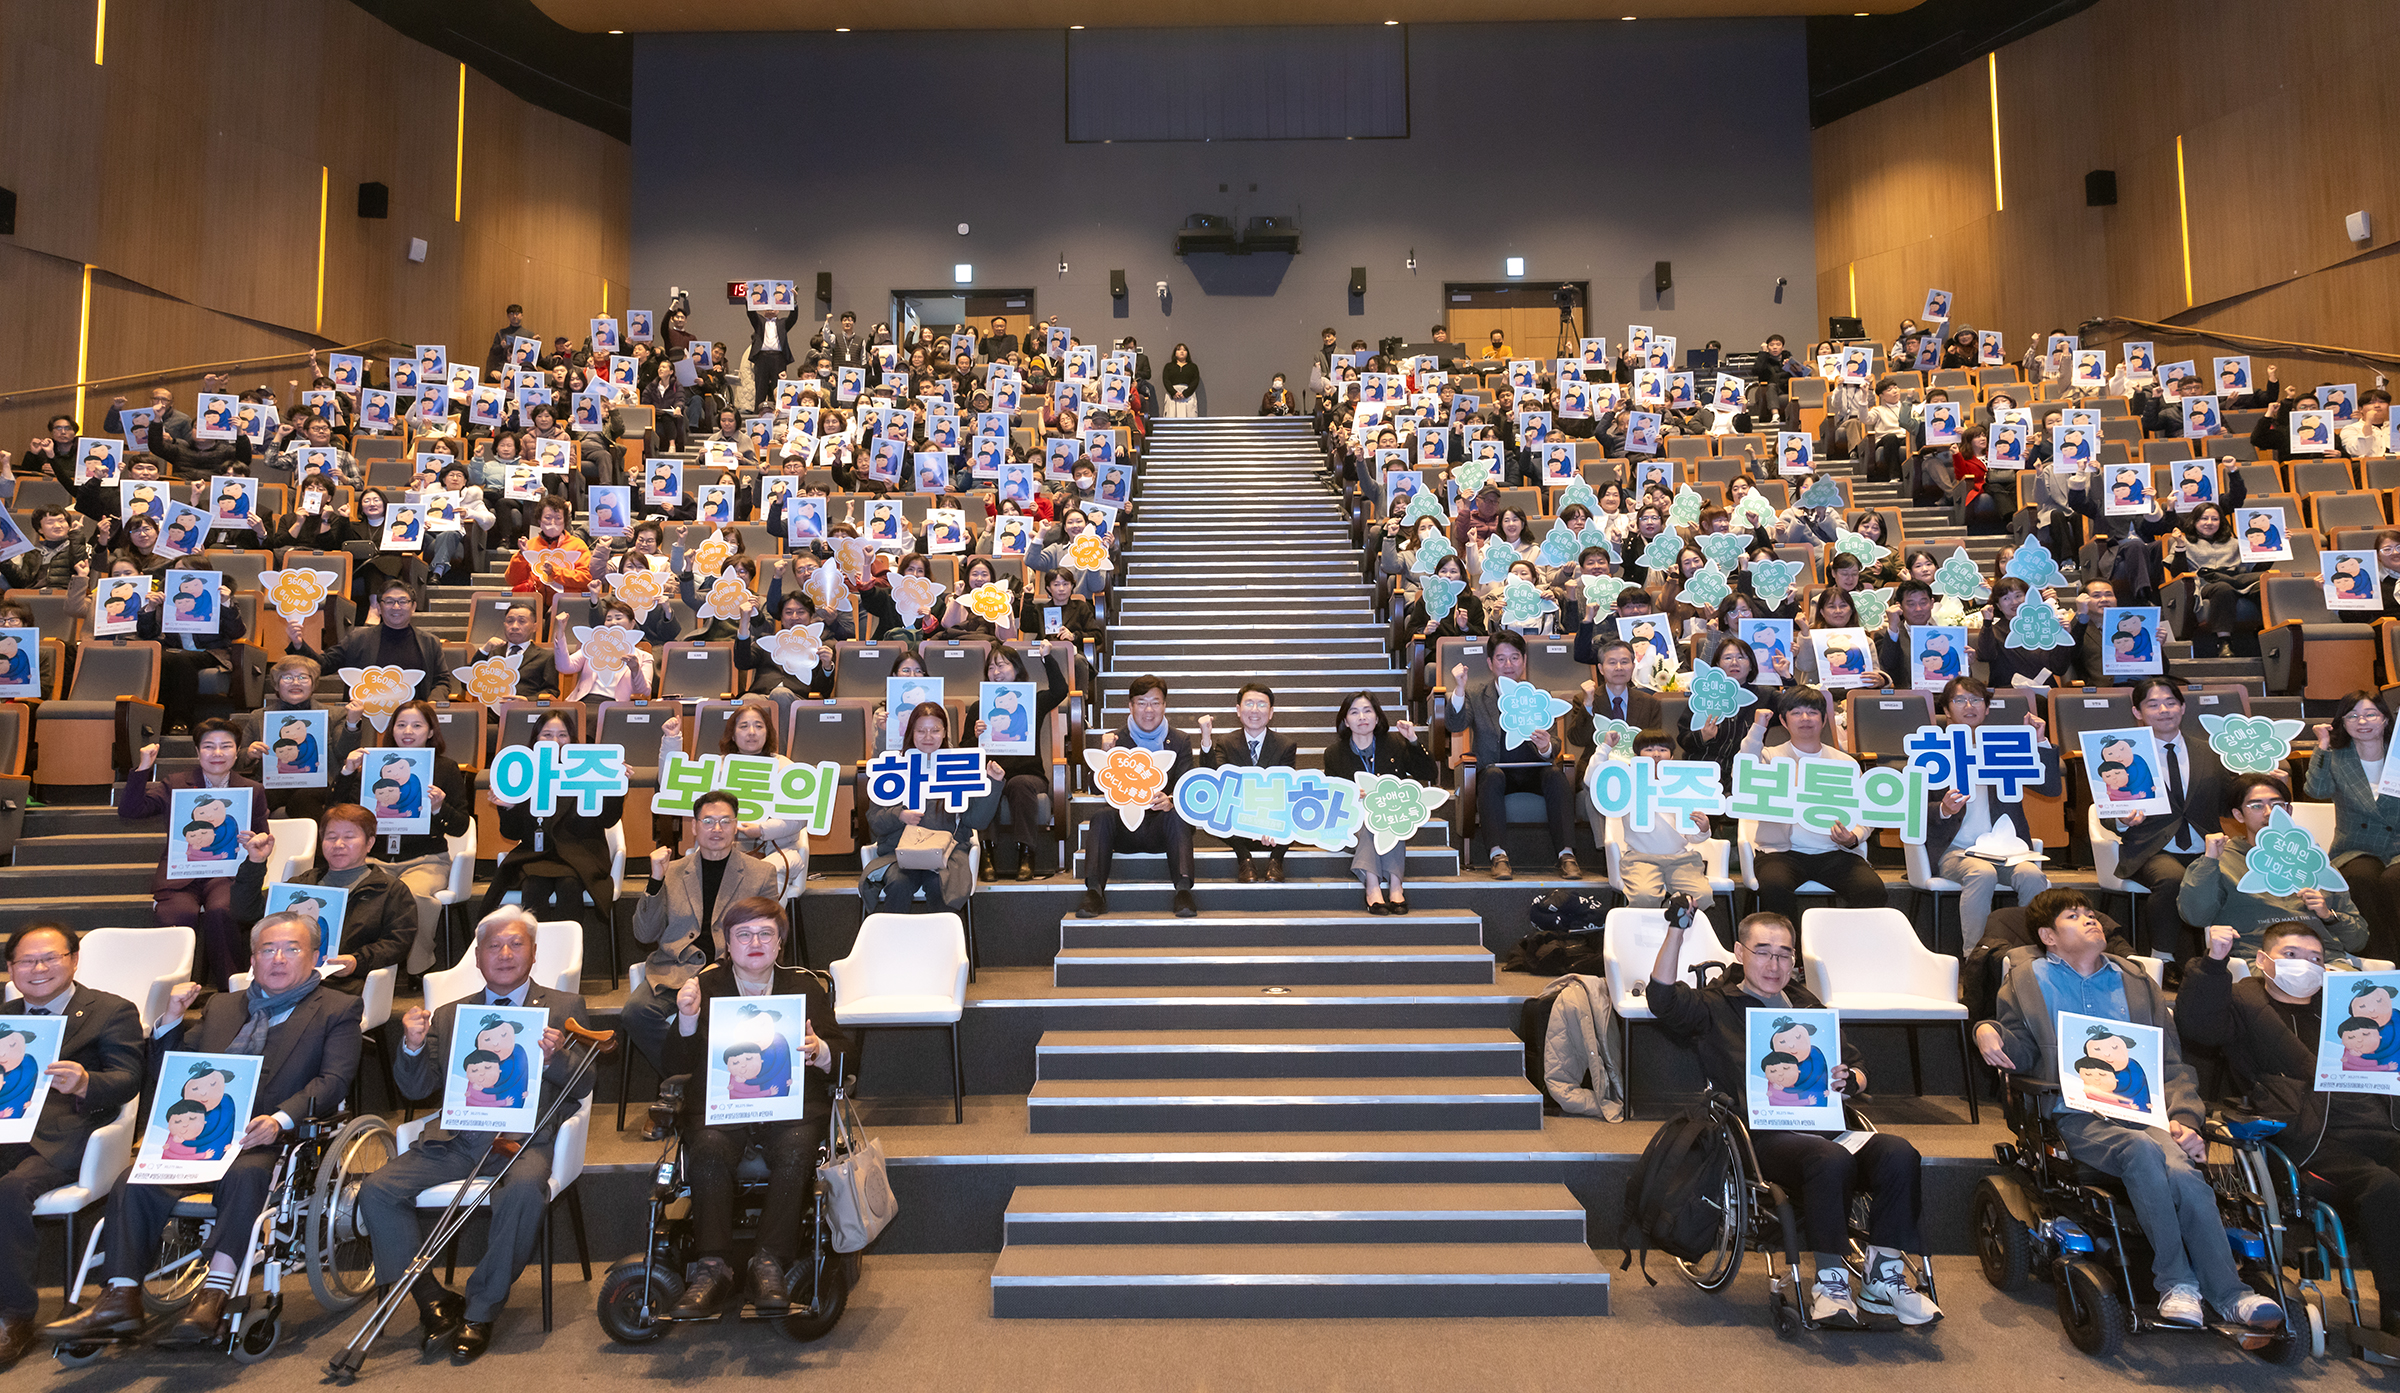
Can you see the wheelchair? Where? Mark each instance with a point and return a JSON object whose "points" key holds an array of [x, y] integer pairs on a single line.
{"points": [[638, 1292], [309, 1222], [2046, 1213], [2316, 1248], [1758, 1214]]}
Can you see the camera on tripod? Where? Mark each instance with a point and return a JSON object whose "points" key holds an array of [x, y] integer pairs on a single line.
{"points": [[1566, 297], [1391, 345]]}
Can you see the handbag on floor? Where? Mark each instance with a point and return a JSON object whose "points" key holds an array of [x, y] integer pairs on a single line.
{"points": [[858, 1196]]}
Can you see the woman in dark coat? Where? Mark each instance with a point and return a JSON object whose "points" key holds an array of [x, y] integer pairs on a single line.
{"points": [[1364, 742], [559, 859], [1025, 780], [884, 886]]}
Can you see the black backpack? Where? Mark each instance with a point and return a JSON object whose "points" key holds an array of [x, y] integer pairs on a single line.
{"points": [[1675, 1201], [1564, 938]]}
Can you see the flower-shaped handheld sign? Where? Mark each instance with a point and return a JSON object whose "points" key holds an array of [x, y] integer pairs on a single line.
{"points": [[1755, 510], [1129, 777], [2286, 860], [1872, 604], [850, 553], [1715, 694], [1958, 579], [1493, 561], [1684, 509], [606, 650], [990, 602], [1578, 492], [1660, 552], [729, 597], [1600, 592], [1613, 738], [548, 562], [797, 650], [2249, 744], [913, 595], [379, 691], [1562, 544], [1706, 586], [826, 588], [1089, 552], [1393, 808], [643, 589], [1723, 549], [490, 680], [709, 557], [297, 594], [1441, 595], [2034, 565], [1430, 553], [1522, 602], [1524, 709], [1423, 505], [1772, 580], [1470, 476], [2036, 629], [1822, 492], [1858, 544]]}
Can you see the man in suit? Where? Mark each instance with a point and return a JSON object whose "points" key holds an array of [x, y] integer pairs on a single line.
{"points": [[98, 1071], [1530, 766], [2155, 848], [999, 343], [770, 352], [307, 1038], [1145, 728], [504, 944], [684, 915], [809, 1048], [1613, 696], [1960, 817], [1259, 747], [537, 671]]}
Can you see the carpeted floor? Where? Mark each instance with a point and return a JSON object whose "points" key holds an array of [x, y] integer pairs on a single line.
{"points": [[924, 1322]]}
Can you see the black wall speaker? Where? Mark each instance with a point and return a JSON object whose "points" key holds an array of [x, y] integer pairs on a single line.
{"points": [[374, 201], [825, 287], [2100, 189], [1663, 276], [1358, 280], [1116, 285], [8, 212]]}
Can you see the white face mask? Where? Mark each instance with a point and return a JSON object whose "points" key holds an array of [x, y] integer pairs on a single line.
{"points": [[2299, 976]]}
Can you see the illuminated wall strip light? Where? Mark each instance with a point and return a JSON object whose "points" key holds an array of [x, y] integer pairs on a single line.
{"points": [[83, 343], [1854, 290], [604, 297], [1999, 191], [324, 188], [458, 178], [99, 31], [2183, 214]]}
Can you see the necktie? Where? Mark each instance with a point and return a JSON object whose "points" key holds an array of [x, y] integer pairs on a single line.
{"points": [[1617, 706], [515, 648], [2174, 781]]}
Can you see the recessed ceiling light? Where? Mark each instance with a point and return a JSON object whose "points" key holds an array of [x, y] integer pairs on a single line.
{"points": [[842, 30], [616, 31], [1074, 26], [1389, 22]]}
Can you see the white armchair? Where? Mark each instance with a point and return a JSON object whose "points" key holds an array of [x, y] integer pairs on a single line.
{"points": [[567, 1150], [1629, 949], [1870, 967], [907, 970]]}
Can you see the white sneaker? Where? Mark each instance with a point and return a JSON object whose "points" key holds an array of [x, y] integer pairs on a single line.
{"points": [[1829, 1301], [2256, 1311], [1887, 1292], [2181, 1306]]}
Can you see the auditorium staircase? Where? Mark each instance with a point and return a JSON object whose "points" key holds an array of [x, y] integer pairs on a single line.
{"points": [[1297, 1108]]}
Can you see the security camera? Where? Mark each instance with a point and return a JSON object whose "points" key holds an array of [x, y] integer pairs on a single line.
{"points": [[1162, 290], [1781, 282]]}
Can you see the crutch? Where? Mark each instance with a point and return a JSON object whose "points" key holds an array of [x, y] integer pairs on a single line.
{"points": [[344, 1366]]}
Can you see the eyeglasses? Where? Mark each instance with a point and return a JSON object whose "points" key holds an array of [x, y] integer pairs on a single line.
{"points": [[1770, 955], [279, 950], [716, 824], [41, 964], [756, 937], [2257, 805]]}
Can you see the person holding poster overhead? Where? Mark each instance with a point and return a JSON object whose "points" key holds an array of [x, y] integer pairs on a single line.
{"points": [[97, 1069], [382, 914], [309, 1038], [755, 933], [2072, 971], [2269, 1026], [205, 905], [1821, 1172], [462, 1325], [184, 656]]}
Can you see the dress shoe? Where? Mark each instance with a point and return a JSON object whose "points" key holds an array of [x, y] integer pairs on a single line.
{"points": [[1025, 867], [1185, 906], [1275, 870], [474, 1338], [1397, 905], [197, 1327], [1500, 867], [767, 1289], [118, 1312], [440, 1314], [1567, 867], [1095, 904], [17, 1334], [989, 872], [1243, 872], [712, 1282], [1379, 909]]}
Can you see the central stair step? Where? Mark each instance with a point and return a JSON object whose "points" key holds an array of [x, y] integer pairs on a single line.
{"points": [[1305, 1280], [1275, 1054], [1275, 965], [1285, 1105]]}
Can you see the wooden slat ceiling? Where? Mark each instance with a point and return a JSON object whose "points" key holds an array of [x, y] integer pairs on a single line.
{"points": [[670, 16]]}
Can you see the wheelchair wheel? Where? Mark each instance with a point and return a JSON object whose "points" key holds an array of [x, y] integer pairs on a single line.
{"points": [[826, 1297], [2090, 1310], [256, 1341], [2000, 1241], [2314, 1305], [77, 1356], [623, 1301], [180, 1266], [341, 1262], [1716, 1269]]}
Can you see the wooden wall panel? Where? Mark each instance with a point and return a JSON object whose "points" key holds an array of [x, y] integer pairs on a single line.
{"points": [[188, 169], [2284, 112]]}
